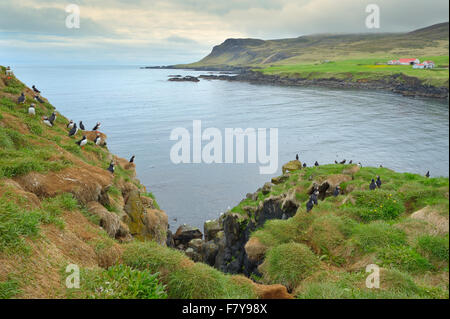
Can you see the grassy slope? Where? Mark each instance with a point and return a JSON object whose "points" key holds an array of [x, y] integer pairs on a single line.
{"points": [[303, 56], [323, 254], [39, 237]]}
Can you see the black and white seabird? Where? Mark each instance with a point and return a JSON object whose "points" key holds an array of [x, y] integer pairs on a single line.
{"points": [[111, 167], [32, 110], [132, 159], [21, 98], [82, 126], [73, 130], [52, 117], [47, 121], [351, 162], [70, 124], [360, 165], [38, 98], [35, 89], [296, 157], [97, 139], [96, 127], [372, 185], [342, 162], [316, 164], [304, 164], [82, 142], [335, 162], [427, 175], [314, 197], [378, 182], [336, 191], [309, 205]]}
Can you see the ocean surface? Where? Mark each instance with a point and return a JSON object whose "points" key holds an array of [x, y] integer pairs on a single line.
{"points": [[138, 109]]}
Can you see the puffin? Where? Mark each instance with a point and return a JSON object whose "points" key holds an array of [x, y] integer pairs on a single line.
{"points": [[73, 130], [32, 110], [427, 175], [342, 162], [360, 165], [335, 162], [372, 185], [35, 89], [52, 117], [38, 98], [296, 157], [309, 205], [336, 191], [21, 98], [378, 182], [316, 164], [96, 127], [111, 167], [97, 139], [351, 162], [70, 124], [304, 164], [82, 142], [132, 159], [314, 197], [82, 126], [47, 121]]}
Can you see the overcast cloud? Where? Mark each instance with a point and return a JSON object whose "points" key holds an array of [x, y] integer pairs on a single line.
{"points": [[181, 31]]}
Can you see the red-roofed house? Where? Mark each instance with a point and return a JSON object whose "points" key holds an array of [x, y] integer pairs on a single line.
{"points": [[429, 64], [404, 62], [419, 66]]}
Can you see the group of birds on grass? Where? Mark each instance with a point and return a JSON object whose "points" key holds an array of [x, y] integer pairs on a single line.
{"points": [[313, 198], [72, 126]]}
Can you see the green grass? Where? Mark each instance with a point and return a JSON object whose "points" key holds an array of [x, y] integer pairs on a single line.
{"points": [[405, 258], [364, 69], [195, 281], [289, 264], [9, 288], [119, 282], [370, 237], [434, 247]]}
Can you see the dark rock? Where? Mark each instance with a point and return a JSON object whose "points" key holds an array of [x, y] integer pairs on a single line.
{"points": [[185, 234]]}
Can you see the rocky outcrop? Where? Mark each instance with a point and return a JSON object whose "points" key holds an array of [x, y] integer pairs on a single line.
{"points": [[110, 222], [291, 166], [186, 233], [184, 79]]}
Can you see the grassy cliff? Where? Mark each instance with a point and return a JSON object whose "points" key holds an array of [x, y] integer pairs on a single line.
{"points": [[59, 206]]}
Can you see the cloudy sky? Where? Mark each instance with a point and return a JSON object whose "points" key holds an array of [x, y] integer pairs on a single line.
{"points": [[179, 31]]}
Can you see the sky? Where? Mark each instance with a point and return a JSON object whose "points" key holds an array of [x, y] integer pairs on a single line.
{"points": [[161, 32]]}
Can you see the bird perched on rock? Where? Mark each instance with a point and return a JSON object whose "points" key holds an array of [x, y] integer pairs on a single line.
{"points": [[132, 159], [35, 89], [32, 110], [73, 130], [336, 191], [378, 182], [309, 205], [304, 164], [372, 185], [47, 121], [97, 139], [82, 142], [96, 127], [316, 164], [296, 157], [70, 124], [111, 167], [21, 98], [427, 175], [82, 126], [342, 162], [38, 98]]}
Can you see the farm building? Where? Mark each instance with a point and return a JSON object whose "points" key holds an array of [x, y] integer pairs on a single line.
{"points": [[429, 64], [404, 62], [419, 66]]}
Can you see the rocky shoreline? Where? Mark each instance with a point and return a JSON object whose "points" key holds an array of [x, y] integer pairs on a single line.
{"points": [[397, 83]]}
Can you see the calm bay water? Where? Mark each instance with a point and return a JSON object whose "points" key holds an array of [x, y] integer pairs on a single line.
{"points": [[138, 109]]}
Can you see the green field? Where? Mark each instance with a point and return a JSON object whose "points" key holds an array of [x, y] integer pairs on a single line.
{"points": [[365, 69]]}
